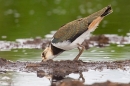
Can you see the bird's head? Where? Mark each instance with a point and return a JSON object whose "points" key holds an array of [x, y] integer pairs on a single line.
{"points": [[47, 54]]}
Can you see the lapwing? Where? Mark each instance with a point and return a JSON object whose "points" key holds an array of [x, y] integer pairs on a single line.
{"points": [[72, 34]]}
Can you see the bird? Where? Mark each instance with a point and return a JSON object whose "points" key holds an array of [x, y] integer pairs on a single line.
{"points": [[72, 34]]}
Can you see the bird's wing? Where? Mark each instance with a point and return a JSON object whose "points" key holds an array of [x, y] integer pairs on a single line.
{"points": [[70, 31]]}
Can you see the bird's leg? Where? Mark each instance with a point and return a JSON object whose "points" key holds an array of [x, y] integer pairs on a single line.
{"points": [[80, 51]]}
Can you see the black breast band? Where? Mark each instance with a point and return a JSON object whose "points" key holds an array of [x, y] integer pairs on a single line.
{"points": [[56, 50]]}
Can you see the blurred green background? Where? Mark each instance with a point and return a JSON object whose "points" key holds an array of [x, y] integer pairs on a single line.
{"points": [[31, 18]]}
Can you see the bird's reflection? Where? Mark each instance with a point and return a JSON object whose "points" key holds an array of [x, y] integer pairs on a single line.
{"points": [[62, 80]]}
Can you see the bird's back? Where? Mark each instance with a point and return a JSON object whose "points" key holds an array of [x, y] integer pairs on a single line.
{"points": [[71, 31]]}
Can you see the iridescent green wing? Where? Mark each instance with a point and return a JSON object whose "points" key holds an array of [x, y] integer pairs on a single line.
{"points": [[70, 31]]}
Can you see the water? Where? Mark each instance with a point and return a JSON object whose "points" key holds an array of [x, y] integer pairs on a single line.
{"points": [[110, 53], [36, 18], [30, 79], [28, 19], [22, 79]]}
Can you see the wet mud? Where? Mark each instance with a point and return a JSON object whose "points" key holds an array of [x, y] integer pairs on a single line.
{"points": [[57, 70]]}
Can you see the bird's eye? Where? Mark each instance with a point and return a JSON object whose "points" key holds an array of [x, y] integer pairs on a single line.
{"points": [[43, 55]]}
